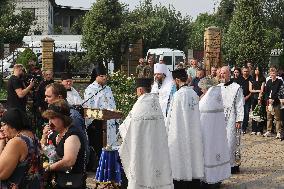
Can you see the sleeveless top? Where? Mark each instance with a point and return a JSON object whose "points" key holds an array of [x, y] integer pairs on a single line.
{"points": [[79, 166], [28, 173], [256, 85]]}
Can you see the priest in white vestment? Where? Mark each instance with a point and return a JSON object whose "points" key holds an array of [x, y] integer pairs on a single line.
{"points": [[98, 95], [214, 136], [163, 86], [184, 134], [144, 151], [233, 101]]}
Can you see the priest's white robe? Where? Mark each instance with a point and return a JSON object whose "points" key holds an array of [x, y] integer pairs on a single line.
{"points": [[233, 101], [144, 151], [214, 136], [102, 100], [184, 136], [73, 97]]}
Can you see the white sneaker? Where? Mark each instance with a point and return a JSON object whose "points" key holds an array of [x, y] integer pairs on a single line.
{"points": [[267, 134], [278, 136], [258, 133], [253, 133]]}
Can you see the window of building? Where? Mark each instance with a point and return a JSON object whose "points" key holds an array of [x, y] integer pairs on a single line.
{"points": [[65, 21], [72, 20]]}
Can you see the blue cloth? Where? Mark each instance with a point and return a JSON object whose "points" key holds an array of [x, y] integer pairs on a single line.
{"points": [[173, 90], [109, 167]]}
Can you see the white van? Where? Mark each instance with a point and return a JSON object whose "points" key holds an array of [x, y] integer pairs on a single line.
{"points": [[170, 56]]}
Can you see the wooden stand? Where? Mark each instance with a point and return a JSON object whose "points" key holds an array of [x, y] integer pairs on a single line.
{"points": [[102, 115]]}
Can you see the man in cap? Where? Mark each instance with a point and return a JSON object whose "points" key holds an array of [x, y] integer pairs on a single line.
{"points": [[73, 97], [144, 151], [184, 134], [99, 95], [163, 86], [233, 101], [214, 136]]}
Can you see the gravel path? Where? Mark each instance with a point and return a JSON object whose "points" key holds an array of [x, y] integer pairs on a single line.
{"points": [[262, 165]]}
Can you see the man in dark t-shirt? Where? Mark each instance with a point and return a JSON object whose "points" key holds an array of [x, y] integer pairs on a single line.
{"points": [[17, 92], [244, 83]]}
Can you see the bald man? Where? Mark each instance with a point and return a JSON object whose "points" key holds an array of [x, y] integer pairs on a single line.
{"points": [[233, 101]]}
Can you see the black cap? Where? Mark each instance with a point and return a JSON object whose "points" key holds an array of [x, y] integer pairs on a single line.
{"points": [[179, 74], [144, 82], [66, 76], [98, 70]]}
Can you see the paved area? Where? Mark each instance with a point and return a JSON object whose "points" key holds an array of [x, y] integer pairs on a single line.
{"points": [[262, 165]]}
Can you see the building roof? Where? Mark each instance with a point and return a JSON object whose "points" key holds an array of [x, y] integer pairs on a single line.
{"points": [[73, 4]]}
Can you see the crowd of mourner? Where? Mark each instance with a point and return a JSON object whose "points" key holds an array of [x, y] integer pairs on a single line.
{"points": [[184, 131]]}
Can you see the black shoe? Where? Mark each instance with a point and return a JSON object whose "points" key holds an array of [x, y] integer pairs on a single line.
{"points": [[235, 170]]}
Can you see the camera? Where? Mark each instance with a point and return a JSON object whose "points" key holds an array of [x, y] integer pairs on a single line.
{"points": [[37, 78]]}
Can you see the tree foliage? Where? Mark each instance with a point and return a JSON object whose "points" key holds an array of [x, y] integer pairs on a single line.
{"points": [[196, 37], [102, 30], [25, 56], [77, 26], [225, 13], [274, 12], [247, 39], [160, 26], [13, 27]]}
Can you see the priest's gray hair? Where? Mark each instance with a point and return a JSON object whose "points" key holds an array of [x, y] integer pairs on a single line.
{"points": [[207, 82]]}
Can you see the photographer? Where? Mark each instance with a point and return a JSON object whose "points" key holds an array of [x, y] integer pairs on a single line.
{"points": [[16, 89]]}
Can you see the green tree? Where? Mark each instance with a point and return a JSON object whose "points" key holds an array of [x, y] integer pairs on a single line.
{"points": [[224, 14], [77, 26], [25, 56], [196, 37], [247, 37], [102, 30], [13, 27], [160, 26], [274, 12]]}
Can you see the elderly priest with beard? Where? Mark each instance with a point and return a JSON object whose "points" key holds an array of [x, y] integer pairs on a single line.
{"points": [[144, 150], [184, 135], [163, 86], [233, 101]]}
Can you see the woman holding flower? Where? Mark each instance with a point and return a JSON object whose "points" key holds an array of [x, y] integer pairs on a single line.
{"points": [[256, 87]]}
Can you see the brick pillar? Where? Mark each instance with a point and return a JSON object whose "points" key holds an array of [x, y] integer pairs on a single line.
{"points": [[212, 48], [47, 53]]}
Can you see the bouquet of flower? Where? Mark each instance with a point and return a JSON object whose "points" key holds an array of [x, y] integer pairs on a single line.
{"points": [[257, 114]]}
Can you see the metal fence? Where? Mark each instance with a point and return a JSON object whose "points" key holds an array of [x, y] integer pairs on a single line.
{"points": [[61, 59]]}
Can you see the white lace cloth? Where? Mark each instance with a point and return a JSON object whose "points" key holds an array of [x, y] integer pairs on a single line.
{"points": [[144, 151], [233, 101], [215, 144], [184, 136]]}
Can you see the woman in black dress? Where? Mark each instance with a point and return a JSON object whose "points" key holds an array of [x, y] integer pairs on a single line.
{"points": [[256, 87]]}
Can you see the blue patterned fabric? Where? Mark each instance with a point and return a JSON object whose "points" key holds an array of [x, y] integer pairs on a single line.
{"points": [[109, 167]]}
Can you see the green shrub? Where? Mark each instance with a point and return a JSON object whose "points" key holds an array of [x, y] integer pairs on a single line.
{"points": [[25, 56], [124, 91], [3, 93]]}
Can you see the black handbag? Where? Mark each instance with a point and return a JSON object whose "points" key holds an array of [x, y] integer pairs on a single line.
{"points": [[70, 180]]}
